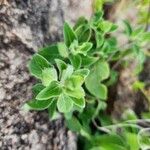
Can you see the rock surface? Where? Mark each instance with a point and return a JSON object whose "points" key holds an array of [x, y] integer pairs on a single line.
{"points": [[25, 26]]}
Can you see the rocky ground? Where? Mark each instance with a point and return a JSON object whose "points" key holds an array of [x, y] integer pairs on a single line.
{"points": [[26, 26]]}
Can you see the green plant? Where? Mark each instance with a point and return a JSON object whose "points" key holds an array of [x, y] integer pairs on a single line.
{"points": [[74, 77], [144, 12]]}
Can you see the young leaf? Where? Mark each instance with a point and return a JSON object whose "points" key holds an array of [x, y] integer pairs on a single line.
{"points": [[53, 90], [114, 27], [38, 105], [61, 65], [84, 48], [98, 5], [83, 33], [64, 103], [76, 93], [37, 64], [74, 82], [69, 35], [79, 102], [67, 73], [82, 72], [63, 50], [49, 75], [106, 26], [97, 18]]}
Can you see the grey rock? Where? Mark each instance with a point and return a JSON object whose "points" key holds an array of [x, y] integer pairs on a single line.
{"points": [[33, 137], [26, 26]]}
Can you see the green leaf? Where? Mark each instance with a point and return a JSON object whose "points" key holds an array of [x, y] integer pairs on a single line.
{"points": [[99, 72], [69, 35], [103, 70], [61, 65], [79, 102], [75, 81], [114, 27], [98, 5], [113, 78], [83, 33], [52, 110], [76, 61], [99, 39], [132, 140], [64, 103], [82, 72], [66, 73], [110, 146], [49, 75], [76, 93], [106, 26], [37, 88], [73, 124], [97, 18], [63, 50], [145, 37], [84, 48], [53, 90], [37, 64], [87, 60], [128, 28], [129, 114], [81, 20], [97, 89], [38, 105], [50, 53], [112, 41], [137, 32], [115, 142], [138, 85]]}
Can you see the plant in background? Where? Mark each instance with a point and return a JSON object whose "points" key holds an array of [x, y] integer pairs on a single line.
{"points": [[74, 76], [144, 12]]}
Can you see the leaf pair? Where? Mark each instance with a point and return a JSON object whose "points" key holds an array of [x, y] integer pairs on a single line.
{"points": [[42, 69]]}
